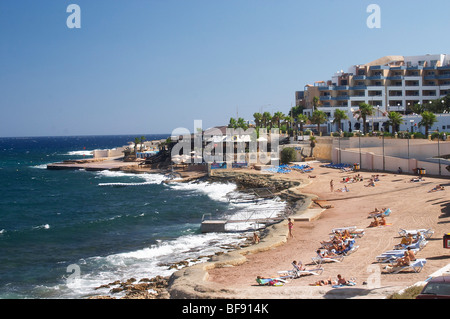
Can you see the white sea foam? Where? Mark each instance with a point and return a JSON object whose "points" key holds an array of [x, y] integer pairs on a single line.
{"points": [[216, 191], [145, 263], [45, 226], [148, 178], [41, 166], [155, 260]]}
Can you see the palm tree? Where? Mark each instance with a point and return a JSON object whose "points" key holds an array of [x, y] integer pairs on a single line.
{"points": [[266, 119], [302, 118], [316, 102], [395, 119], [241, 124], [277, 117], [428, 119], [142, 141], [339, 115], [258, 118], [287, 120], [136, 142], [318, 117], [232, 123], [364, 111]]}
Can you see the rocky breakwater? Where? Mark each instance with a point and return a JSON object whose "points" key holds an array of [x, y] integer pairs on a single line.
{"points": [[284, 186]]}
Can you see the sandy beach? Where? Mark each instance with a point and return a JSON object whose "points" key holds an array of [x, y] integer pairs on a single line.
{"points": [[413, 207]]}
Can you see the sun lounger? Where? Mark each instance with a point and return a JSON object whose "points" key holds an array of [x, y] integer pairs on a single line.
{"points": [[425, 232], [420, 244], [392, 255], [415, 266], [318, 260], [386, 213], [334, 230], [296, 272], [355, 232]]}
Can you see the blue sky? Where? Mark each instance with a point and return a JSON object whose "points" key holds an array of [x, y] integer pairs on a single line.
{"points": [[150, 66]]}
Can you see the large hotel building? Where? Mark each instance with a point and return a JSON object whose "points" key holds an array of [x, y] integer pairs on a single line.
{"points": [[391, 83]]}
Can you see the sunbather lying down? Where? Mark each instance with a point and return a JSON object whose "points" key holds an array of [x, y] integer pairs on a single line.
{"points": [[438, 187], [338, 281], [376, 222], [263, 281]]}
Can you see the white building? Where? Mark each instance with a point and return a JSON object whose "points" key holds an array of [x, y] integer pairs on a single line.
{"points": [[391, 83]]}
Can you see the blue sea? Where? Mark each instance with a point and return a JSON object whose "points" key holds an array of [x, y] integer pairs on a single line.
{"points": [[65, 232]]}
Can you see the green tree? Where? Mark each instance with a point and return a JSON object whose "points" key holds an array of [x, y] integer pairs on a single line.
{"points": [[318, 117], [428, 119], [440, 105], [395, 119], [258, 119], [137, 140], [232, 123], [364, 111], [339, 115], [316, 102], [267, 120], [417, 108], [142, 140], [241, 123], [296, 110], [301, 118], [277, 117], [287, 155]]}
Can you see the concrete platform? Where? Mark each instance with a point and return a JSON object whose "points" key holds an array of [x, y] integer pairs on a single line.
{"points": [[308, 215]]}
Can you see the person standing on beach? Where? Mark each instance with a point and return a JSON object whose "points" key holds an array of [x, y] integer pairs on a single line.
{"points": [[331, 186], [290, 225]]}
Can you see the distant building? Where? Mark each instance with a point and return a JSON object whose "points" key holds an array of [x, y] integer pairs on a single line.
{"points": [[391, 83]]}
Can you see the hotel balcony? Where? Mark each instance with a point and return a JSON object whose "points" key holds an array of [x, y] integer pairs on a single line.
{"points": [[341, 88], [326, 88], [395, 77], [376, 77], [358, 87], [379, 67]]}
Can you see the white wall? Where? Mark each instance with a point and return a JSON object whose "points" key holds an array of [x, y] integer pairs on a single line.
{"points": [[395, 154]]}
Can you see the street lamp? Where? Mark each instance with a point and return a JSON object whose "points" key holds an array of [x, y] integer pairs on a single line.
{"points": [[359, 140], [384, 163], [407, 137], [439, 152]]}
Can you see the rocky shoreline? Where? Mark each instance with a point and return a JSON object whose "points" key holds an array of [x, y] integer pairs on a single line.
{"points": [[189, 279]]}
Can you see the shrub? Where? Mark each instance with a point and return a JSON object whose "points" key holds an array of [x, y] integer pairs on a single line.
{"points": [[287, 155]]}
